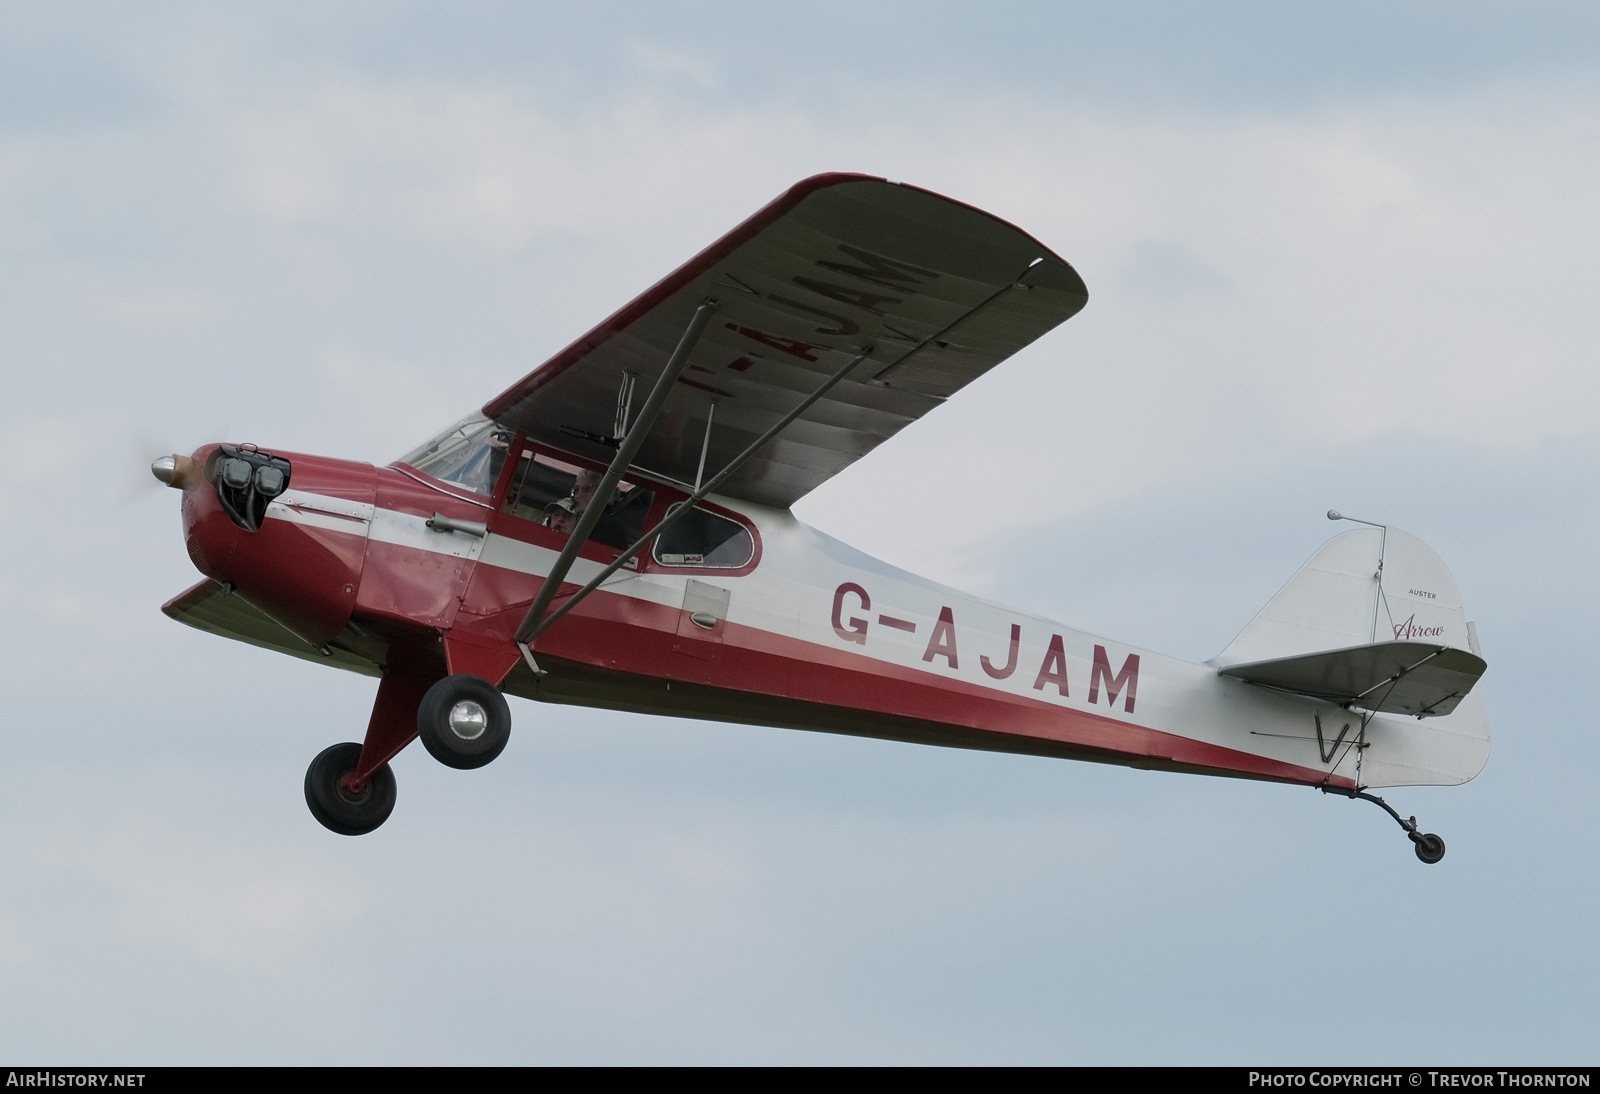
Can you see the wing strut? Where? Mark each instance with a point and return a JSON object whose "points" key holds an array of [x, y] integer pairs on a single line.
{"points": [[532, 627], [705, 444], [619, 465], [936, 338]]}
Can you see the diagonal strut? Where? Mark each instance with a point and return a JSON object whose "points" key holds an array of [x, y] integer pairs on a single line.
{"points": [[527, 634], [619, 465]]}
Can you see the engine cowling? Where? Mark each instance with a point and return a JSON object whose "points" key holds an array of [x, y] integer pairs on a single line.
{"points": [[285, 530]]}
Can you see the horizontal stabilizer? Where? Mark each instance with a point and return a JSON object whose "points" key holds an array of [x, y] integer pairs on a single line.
{"points": [[1416, 678]]}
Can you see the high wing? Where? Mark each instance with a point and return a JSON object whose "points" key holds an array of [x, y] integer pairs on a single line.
{"points": [[934, 292]]}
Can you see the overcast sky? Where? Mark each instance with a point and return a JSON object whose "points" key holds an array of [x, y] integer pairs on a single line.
{"points": [[1343, 259]]}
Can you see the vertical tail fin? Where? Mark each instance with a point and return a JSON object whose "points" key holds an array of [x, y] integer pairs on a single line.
{"points": [[1374, 622], [1361, 587]]}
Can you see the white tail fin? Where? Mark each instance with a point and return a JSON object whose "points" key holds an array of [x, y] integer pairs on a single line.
{"points": [[1366, 586], [1376, 593]]}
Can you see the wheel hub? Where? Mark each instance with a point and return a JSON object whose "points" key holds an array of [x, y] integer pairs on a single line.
{"points": [[468, 720], [352, 790]]}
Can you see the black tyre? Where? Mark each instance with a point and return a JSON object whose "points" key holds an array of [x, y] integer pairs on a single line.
{"points": [[338, 809], [1430, 848], [464, 721]]}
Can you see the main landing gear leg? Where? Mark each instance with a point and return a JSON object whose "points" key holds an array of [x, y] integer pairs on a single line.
{"points": [[1429, 847], [349, 787]]}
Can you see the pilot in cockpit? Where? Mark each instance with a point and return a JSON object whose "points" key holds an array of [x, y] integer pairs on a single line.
{"points": [[562, 516]]}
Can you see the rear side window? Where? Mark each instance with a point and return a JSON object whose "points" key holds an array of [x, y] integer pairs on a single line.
{"points": [[704, 539]]}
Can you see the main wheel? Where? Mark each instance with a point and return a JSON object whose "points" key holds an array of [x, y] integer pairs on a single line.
{"points": [[337, 807], [1430, 848], [464, 721]]}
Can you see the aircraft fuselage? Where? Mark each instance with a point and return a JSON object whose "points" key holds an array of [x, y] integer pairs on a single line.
{"points": [[807, 634]]}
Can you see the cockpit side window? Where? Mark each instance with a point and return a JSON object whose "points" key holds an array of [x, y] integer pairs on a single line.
{"points": [[537, 484], [556, 494], [469, 454]]}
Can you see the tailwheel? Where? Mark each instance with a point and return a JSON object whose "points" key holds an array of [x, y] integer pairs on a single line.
{"points": [[1430, 848], [464, 721], [338, 801]]}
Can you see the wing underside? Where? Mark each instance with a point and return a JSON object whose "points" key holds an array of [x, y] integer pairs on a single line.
{"points": [[208, 607], [934, 292]]}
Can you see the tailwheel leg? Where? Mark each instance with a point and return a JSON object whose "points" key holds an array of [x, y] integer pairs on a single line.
{"points": [[1429, 847], [339, 800]]}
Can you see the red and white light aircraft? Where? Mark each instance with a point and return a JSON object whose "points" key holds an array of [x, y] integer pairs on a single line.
{"points": [[615, 530]]}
